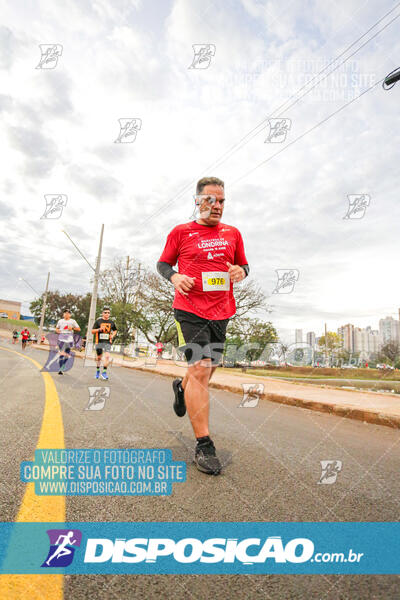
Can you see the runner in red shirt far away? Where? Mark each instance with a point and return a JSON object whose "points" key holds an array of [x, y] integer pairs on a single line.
{"points": [[25, 333], [210, 257]]}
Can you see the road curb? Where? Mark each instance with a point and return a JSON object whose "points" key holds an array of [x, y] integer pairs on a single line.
{"points": [[367, 416]]}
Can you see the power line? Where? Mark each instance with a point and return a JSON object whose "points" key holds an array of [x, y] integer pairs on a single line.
{"points": [[307, 132], [83, 256], [322, 79], [228, 153], [316, 84]]}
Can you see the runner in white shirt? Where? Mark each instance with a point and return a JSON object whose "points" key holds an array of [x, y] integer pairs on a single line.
{"points": [[65, 329]]}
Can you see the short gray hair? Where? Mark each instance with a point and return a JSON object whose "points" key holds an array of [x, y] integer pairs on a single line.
{"points": [[201, 184]]}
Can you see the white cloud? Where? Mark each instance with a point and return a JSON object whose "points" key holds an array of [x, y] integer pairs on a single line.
{"points": [[121, 59]]}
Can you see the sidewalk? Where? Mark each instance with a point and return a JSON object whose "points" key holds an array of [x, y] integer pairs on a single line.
{"points": [[372, 407]]}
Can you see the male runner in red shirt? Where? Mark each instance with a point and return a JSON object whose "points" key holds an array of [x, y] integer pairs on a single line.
{"points": [[25, 333], [210, 258]]}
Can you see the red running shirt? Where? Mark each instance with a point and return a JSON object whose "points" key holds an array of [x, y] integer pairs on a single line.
{"points": [[202, 249]]}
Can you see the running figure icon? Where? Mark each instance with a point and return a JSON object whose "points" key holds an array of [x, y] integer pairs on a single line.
{"points": [[62, 549]]}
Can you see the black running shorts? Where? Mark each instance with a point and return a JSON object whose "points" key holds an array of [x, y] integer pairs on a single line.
{"points": [[200, 338]]}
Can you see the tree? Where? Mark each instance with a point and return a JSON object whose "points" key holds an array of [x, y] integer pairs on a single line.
{"points": [[251, 331], [390, 352], [249, 298], [120, 285], [333, 344], [55, 305], [140, 300], [157, 321]]}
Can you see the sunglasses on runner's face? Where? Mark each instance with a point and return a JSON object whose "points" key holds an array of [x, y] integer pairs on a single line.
{"points": [[200, 198]]}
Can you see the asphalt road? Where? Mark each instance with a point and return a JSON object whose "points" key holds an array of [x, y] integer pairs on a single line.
{"points": [[272, 454]]}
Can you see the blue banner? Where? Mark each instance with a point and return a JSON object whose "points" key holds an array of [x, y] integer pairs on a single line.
{"points": [[200, 548]]}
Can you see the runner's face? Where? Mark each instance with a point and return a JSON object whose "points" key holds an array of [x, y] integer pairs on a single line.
{"points": [[106, 314], [217, 209], [67, 315]]}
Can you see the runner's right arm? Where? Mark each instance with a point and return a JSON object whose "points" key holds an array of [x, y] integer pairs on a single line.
{"points": [[165, 270], [182, 283]]}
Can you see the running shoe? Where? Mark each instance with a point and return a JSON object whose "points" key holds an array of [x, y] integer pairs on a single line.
{"points": [[97, 376], [60, 372], [205, 458], [179, 402], [104, 376]]}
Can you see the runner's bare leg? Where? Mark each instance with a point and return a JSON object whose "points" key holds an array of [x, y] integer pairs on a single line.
{"points": [[196, 396], [185, 379]]}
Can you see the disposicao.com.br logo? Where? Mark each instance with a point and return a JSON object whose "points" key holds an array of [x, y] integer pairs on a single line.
{"points": [[248, 551]]}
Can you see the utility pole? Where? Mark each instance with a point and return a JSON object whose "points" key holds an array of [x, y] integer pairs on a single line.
{"points": [[43, 310], [135, 331], [326, 346], [93, 302], [125, 282]]}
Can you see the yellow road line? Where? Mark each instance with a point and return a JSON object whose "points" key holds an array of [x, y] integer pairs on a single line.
{"points": [[40, 508]]}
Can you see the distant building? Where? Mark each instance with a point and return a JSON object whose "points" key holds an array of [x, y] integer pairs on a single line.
{"points": [[389, 330], [298, 336], [310, 338], [374, 341], [12, 308], [347, 334], [360, 340]]}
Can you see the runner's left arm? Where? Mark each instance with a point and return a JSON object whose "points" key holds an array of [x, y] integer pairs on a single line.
{"points": [[113, 331], [240, 255]]}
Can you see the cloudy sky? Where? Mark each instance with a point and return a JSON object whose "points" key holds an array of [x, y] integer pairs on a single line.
{"points": [[130, 59]]}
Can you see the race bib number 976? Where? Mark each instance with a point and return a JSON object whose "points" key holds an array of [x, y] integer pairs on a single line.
{"points": [[216, 281]]}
